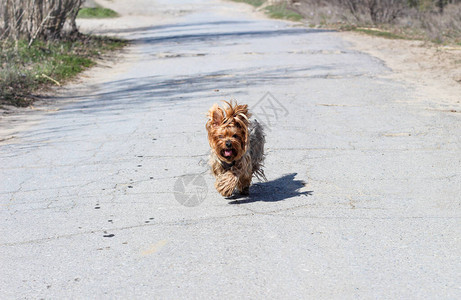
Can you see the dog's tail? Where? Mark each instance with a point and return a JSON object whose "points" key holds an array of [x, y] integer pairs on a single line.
{"points": [[257, 141]]}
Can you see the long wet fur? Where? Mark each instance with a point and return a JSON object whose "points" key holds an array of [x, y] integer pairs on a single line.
{"points": [[237, 148]]}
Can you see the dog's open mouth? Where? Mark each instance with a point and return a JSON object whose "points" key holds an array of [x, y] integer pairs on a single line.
{"points": [[227, 153]]}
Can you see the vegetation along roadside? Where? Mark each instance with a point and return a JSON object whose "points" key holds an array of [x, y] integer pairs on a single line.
{"points": [[437, 21], [38, 52]]}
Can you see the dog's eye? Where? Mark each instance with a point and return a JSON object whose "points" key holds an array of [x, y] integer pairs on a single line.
{"points": [[235, 136]]}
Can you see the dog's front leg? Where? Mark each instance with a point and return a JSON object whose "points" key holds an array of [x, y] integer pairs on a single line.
{"points": [[244, 185], [226, 183]]}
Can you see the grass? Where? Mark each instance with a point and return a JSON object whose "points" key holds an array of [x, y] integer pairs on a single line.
{"points": [[96, 12], [380, 33], [280, 11], [27, 70], [411, 23], [277, 11], [255, 3]]}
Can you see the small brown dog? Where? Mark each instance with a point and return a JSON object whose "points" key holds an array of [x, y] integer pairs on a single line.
{"points": [[237, 148]]}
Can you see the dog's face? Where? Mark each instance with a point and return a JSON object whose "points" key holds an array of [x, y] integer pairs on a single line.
{"points": [[228, 131]]}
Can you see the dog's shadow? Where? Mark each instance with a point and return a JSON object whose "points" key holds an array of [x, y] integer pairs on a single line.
{"points": [[279, 189]]}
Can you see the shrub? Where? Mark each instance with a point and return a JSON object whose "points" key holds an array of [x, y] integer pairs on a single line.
{"points": [[436, 20], [31, 19]]}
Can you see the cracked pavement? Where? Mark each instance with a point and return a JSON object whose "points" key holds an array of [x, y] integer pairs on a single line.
{"points": [[363, 191]]}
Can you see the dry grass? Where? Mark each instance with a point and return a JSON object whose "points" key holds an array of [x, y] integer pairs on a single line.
{"points": [[420, 22]]}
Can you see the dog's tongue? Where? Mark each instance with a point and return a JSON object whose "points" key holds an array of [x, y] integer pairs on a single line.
{"points": [[227, 152]]}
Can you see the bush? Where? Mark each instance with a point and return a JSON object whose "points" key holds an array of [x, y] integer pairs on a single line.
{"points": [[436, 20], [31, 19], [377, 11]]}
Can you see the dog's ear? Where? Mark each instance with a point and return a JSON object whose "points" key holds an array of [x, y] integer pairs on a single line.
{"points": [[241, 114], [215, 116]]}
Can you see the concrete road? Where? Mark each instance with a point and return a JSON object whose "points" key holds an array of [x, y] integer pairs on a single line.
{"points": [[108, 196]]}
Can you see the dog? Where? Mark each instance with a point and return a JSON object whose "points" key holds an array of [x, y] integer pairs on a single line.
{"points": [[237, 148]]}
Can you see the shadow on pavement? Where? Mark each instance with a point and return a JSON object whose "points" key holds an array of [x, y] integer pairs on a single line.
{"points": [[279, 189], [171, 27], [120, 95], [207, 37]]}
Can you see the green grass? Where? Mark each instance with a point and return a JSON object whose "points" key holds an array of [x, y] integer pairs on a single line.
{"points": [[278, 11], [27, 70], [255, 3], [96, 12], [383, 34], [281, 11]]}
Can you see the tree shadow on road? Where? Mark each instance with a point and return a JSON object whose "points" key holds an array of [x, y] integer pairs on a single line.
{"points": [[132, 93], [206, 37], [171, 27], [279, 189], [185, 47]]}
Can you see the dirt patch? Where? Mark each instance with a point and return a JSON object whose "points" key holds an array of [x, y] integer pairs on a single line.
{"points": [[433, 70]]}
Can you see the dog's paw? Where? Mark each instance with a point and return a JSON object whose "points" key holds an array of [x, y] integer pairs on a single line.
{"points": [[227, 192], [245, 191], [224, 189], [226, 184]]}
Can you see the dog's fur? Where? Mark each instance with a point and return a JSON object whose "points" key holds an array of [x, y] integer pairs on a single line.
{"points": [[237, 148]]}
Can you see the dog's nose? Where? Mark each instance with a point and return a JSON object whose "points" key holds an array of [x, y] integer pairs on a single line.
{"points": [[228, 144]]}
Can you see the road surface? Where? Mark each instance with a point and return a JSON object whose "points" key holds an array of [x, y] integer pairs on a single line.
{"points": [[108, 195]]}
